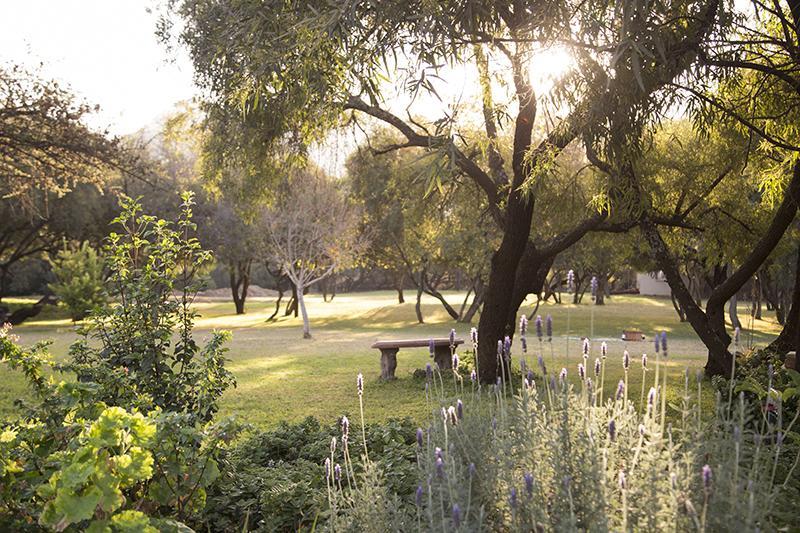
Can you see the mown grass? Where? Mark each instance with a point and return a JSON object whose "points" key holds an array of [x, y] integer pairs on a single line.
{"points": [[281, 376]]}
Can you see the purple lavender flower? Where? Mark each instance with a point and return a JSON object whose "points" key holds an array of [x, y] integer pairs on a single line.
{"points": [[499, 349], [736, 333], [597, 367], [523, 325], [455, 362], [698, 376], [507, 347], [585, 347], [473, 335], [563, 375], [620, 389], [528, 483], [651, 396], [603, 349], [549, 327], [589, 387], [452, 338], [460, 409], [437, 453], [418, 496], [626, 360], [333, 445], [656, 342], [472, 470], [541, 364], [456, 516], [512, 498], [524, 343], [623, 483], [337, 472], [707, 477], [612, 430], [345, 428], [570, 281], [530, 376], [664, 343], [644, 361], [327, 468], [439, 467], [420, 435], [428, 372], [539, 332], [581, 372], [593, 285], [431, 347], [360, 384], [473, 376]]}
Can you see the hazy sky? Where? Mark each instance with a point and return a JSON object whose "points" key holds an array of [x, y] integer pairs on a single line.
{"points": [[105, 50]]}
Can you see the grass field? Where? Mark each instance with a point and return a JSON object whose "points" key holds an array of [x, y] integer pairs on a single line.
{"points": [[281, 376]]}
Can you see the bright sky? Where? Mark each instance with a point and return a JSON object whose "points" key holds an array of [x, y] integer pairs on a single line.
{"points": [[107, 53], [104, 50]]}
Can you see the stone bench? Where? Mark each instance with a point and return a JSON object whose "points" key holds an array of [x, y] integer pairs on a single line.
{"points": [[389, 349]]}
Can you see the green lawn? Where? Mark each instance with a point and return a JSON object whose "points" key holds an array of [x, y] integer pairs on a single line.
{"points": [[283, 377]]}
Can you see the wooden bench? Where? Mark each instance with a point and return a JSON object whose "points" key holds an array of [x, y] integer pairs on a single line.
{"points": [[632, 335], [389, 349]]}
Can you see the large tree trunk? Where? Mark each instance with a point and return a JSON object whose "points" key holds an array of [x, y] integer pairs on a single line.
{"points": [[719, 358], [399, 280], [789, 338], [301, 303], [240, 282], [602, 284]]}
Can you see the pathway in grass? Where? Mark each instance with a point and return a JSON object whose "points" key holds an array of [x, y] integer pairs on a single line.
{"points": [[283, 377]]}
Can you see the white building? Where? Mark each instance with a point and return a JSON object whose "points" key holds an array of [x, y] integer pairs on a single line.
{"points": [[652, 284]]}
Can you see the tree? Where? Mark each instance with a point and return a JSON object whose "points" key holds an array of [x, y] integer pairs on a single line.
{"points": [[44, 144], [79, 280], [312, 232], [753, 63], [297, 68], [234, 242]]}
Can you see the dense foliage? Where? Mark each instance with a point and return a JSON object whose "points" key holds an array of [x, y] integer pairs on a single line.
{"points": [[79, 280], [130, 445]]}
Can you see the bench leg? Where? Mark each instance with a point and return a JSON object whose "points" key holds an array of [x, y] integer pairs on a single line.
{"points": [[388, 363], [443, 357]]}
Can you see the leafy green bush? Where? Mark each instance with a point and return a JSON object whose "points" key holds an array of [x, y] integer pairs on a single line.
{"points": [[273, 480], [130, 446], [79, 280]]}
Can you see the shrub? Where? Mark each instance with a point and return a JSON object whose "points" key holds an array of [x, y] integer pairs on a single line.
{"points": [[79, 280], [273, 481], [130, 446]]}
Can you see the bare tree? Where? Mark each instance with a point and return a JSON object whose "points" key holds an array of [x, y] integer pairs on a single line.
{"points": [[312, 232]]}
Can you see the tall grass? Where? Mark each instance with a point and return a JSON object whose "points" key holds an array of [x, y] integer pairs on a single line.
{"points": [[545, 453]]}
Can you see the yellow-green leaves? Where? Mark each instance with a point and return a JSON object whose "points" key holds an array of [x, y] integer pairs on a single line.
{"points": [[113, 454]]}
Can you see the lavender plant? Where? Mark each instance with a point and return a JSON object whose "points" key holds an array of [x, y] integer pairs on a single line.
{"points": [[546, 457]]}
